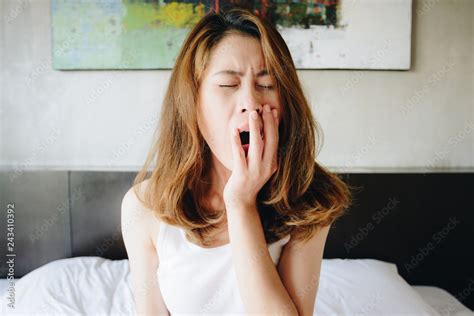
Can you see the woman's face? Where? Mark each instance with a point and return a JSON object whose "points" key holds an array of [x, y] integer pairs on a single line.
{"points": [[233, 85]]}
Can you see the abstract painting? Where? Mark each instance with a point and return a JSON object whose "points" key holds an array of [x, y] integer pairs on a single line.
{"points": [[147, 34]]}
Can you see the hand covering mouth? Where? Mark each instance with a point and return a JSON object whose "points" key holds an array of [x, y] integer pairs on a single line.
{"points": [[245, 137], [245, 140]]}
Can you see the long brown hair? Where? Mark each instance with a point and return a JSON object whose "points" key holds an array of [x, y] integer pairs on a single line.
{"points": [[299, 198]]}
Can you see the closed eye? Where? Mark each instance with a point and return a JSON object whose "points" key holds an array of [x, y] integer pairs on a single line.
{"points": [[231, 86], [226, 86]]}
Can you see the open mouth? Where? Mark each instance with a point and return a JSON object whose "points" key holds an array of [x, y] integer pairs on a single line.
{"points": [[245, 137], [245, 140]]}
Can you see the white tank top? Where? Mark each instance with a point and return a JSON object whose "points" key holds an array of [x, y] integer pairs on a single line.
{"points": [[200, 281]]}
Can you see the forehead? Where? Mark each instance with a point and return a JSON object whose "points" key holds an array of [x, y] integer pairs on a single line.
{"points": [[237, 52]]}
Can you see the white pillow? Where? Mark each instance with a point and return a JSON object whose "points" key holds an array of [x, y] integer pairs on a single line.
{"points": [[366, 287], [442, 301], [79, 285], [94, 285]]}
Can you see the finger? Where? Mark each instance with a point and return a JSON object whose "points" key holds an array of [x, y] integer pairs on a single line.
{"points": [[256, 142], [238, 154], [270, 126], [277, 117]]}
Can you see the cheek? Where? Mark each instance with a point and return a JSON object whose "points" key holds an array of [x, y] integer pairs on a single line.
{"points": [[214, 125], [218, 139], [274, 100], [215, 111]]}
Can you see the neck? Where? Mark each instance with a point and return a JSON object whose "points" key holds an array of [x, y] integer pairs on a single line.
{"points": [[218, 176]]}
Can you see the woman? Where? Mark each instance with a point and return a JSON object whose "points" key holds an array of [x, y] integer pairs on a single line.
{"points": [[234, 215]]}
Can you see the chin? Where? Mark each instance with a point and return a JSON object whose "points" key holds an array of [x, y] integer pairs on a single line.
{"points": [[223, 159], [228, 163]]}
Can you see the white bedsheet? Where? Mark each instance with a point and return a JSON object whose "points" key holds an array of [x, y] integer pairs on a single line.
{"points": [[94, 285], [443, 302]]}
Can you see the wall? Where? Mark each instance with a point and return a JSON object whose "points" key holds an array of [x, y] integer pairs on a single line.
{"points": [[421, 119]]}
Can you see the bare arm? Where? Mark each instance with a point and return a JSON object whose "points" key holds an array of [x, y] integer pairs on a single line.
{"points": [[261, 288], [137, 228], [300, 267]]}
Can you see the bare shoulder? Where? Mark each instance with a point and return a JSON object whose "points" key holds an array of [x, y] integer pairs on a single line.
{"points": [[137, 220], [318, 240]]}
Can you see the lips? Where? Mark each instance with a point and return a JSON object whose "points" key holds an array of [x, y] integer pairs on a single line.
{"points": [[245, 141], [246, 149]]}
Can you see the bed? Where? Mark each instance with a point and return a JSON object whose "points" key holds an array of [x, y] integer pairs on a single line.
{"points": [[78, 265], [95, 285]]}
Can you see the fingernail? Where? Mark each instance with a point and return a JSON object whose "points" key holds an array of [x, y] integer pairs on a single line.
{"points": [[267, 108], [275, 113], [254, 115]]}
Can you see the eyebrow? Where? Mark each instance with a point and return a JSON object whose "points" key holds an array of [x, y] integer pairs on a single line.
{"points": [[261, 73]]}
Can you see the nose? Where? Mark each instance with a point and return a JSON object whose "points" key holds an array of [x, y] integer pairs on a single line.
{"points": [[249, 109], [251, 102]]}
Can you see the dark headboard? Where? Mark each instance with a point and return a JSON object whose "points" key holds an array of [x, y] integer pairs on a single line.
{"points": [[422, 222]]}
